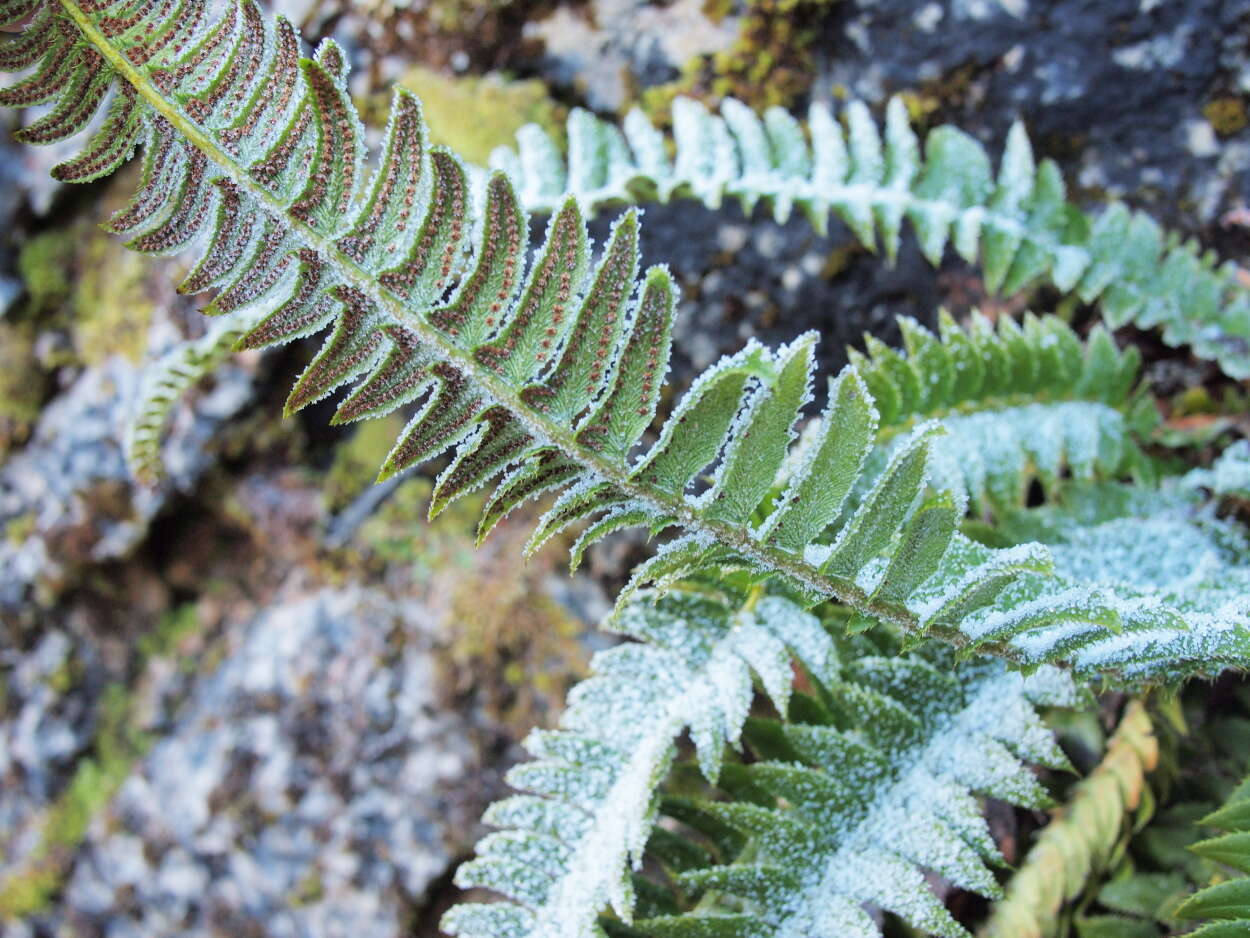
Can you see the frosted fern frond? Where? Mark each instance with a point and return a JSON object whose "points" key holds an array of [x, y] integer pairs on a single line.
{"points": [[1227, 902], [1018, 402], [168, 378], [1228, 475], [1080, 840], [1017, 224], [537, 371], [570, 842], [844, 808]]}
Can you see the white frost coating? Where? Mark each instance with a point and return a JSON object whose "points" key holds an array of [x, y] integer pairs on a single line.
{"points": [[1229, 475], [990, 455], [1171, 587], [691, 669], [923, 815]]}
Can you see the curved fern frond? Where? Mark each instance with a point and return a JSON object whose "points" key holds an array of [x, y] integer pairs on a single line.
{"points": [[167, 379], [591, 800], [570, 842], [541, 371], [842, 809], [1018, 402], [1018, 224], [1080, 839], [1229, 901]]}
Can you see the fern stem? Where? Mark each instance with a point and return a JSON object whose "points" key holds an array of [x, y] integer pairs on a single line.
{"points": [[543, 428]]}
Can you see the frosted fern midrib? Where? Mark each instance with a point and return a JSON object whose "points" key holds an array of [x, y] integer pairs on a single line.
{"points": [[545, 430]]}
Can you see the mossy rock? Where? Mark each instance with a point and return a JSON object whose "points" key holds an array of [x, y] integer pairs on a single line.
{"points": [[473, 115], [23, 382], [85, 280]]}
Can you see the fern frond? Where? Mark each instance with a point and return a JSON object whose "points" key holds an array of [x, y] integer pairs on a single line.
{"points": [[1018, 402], [1081, 837], [165, 381], [569, 844], [842, 810], [1018, 224], [1229, 901], [590, 801], [540, 373]]}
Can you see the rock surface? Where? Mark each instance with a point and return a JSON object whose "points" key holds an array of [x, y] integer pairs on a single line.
{"points": [[312, 761]]}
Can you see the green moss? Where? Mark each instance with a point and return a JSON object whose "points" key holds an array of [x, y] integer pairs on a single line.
{"points": [[357, 461], [118, 743], [170, 631], [46, 265], [473, 115], [95, 781], [85, 280], [20, 528], [22, 382], [770, 63], [111, 306], [1226, 115], [309, 890]]}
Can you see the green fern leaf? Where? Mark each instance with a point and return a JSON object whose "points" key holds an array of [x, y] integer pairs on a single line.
{"points": [[590, 798], [843, 809], [1019, 226], [543, 378]]}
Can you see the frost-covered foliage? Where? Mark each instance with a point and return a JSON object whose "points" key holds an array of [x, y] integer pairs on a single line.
{"points": [[1018, 402], [539, 369], [885, 738], [590, 805], [539, 372], [1019, 225], [1159, 557]]}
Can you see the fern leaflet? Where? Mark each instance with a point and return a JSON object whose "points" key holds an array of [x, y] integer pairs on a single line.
{"points": [[1228, 902], [591, 802], [591, 797]]}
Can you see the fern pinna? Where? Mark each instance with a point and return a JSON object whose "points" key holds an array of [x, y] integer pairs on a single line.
{"points": [[1226, 902], [1020, 226], [545, 372]]}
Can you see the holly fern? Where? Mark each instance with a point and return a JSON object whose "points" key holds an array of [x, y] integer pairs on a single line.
{"points": [[875, 569]]}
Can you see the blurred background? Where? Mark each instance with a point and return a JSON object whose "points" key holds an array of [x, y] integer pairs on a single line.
{"points": [[264, 697]]}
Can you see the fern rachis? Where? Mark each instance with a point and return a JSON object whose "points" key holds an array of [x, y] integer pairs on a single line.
{"points": [[351, 273], [543, 370], [297, 214]]}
